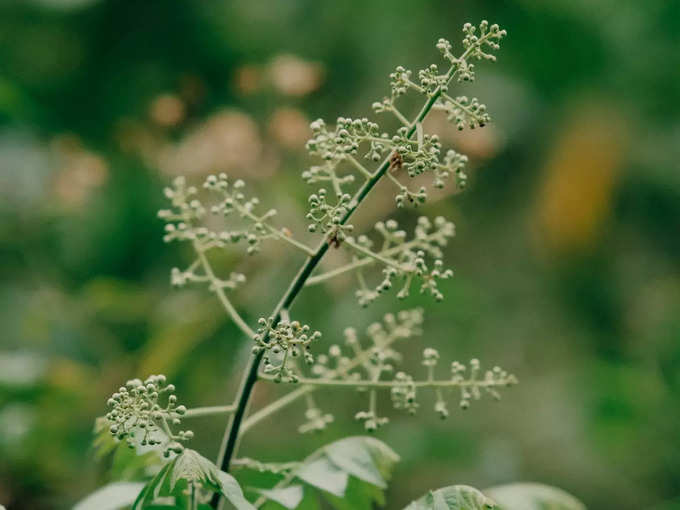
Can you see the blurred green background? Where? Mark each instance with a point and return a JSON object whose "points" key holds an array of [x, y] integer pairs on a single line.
{"points": [[567, 254]]}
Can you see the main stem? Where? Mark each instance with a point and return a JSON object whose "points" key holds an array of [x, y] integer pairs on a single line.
{"points": [[231, 436]]}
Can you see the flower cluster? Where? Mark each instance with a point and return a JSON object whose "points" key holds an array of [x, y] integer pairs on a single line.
{"points": [[404, 261], [369, 365], [184, 219], [328, 217], [283, 343], [143, 411], [345, 139], [463, 112]]}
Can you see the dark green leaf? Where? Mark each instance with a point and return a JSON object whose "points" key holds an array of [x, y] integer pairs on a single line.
{"points": [[533, 496], [453, 497]]}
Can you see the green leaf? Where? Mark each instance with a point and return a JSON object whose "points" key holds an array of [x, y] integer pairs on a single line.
{"points": [[453, 497], [231, 490], [363, 457], [111, 497], [350, 473], [533, 496], [289, 497], [190, 467], [194, 468], [152, 490], [358, 495], [325, 475]]}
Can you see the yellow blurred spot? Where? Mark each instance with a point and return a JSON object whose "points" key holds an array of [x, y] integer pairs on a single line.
{"points": [[581, 172]]}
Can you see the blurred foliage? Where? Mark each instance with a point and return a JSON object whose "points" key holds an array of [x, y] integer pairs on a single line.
{"points": [[567, 258]]}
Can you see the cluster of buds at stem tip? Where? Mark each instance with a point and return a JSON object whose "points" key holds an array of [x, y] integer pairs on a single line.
{"points": [[284, 343], [143, 412]]}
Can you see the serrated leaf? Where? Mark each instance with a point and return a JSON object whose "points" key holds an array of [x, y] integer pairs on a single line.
{"points": [[362, 457], [289, 497], [533, 496], [453, 497], [323, 474], [192, 467], [350, 473], [111, 497]]}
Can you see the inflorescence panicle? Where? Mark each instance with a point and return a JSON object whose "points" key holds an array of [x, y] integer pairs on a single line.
{"points": [[284, 343], [405, 260], [410, 151], [144, 412], [354, 155], [369, 365]]}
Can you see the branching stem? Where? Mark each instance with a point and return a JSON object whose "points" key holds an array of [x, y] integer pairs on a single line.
{"points": [[217, 288], [209, 411], [372, 383], [356, 264], [250, 377]]}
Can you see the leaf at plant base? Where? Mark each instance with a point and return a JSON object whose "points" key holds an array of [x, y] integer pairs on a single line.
{"points": [[289, 497], [190, 467], [359, 494], [231, 490], [111, 497], [363, 457], [325, 475], [454, 497], [153, 489], [350, 473], [533, 496], [194, 468]]}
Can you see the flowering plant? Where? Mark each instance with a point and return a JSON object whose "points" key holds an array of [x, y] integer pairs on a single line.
{"points": [[353, 156]]}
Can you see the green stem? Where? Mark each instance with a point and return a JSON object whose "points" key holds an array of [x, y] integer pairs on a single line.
{"points": [[361, 358], [209, 411], [275, 406], [372, 383], [217, 288], [368, 260]]}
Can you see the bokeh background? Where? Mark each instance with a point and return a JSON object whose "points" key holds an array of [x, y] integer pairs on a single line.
{"points": [[567, 254]]}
